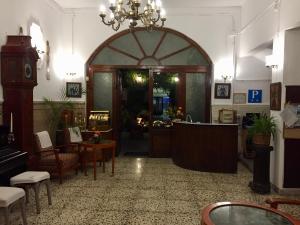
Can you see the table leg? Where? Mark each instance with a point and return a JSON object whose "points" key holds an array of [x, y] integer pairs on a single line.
{"points": [[113, 160], [85, 161], [95, 164]]}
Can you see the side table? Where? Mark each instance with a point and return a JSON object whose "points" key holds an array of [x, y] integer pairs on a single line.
{"points": [[93, 152]]}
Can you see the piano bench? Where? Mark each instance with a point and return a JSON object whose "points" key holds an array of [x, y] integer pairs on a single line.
{"points": [[33, 179], [8, 198]]}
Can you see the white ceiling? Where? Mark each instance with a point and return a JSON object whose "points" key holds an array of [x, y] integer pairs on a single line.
{"points": [[77, 4]]}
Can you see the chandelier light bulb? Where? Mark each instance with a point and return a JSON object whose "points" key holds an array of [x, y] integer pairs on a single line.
{"points": [[153, 5], [102, 10], [112, 16], [163, 13], [158, 3], [118, 8]]}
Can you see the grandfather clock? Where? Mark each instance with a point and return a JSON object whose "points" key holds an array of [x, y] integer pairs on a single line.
{"points": [[18, 78]]}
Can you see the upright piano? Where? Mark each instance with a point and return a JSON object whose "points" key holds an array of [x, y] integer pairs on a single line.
{"points": [[12, 161]]}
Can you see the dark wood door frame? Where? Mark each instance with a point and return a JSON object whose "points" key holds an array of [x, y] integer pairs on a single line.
{"points": [[182, 70]]}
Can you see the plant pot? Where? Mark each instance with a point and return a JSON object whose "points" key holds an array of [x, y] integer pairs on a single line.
{"points": [[261, 139]]}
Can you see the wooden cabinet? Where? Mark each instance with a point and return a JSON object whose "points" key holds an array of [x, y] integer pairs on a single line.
{"points": [[161, 145], [18, 78], [291, 147]]}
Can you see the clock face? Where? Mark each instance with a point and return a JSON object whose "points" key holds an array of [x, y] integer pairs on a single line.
{"points": [[28, 71]]}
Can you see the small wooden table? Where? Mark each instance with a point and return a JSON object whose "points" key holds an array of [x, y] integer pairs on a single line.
{"points": [[237, 213], [97, 154]]}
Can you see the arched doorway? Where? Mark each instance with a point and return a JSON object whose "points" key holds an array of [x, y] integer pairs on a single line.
{"points": [[161, 51]]}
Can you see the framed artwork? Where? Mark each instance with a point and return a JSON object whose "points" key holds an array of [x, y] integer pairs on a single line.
{"points": [[222, 90], [73, 90], [239, 98], [275, 96]]}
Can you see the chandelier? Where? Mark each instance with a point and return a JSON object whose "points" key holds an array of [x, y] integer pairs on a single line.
{"points": [[152, 16]]}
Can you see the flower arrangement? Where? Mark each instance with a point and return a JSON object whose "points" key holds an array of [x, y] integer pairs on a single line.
{"points": [[175, 112], [97, 137]]}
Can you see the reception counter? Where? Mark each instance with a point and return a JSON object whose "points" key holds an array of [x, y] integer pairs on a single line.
{"points": [[205, 147]]}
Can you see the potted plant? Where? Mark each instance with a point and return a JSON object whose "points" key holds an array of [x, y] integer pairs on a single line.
{"points": [[262, 129]]}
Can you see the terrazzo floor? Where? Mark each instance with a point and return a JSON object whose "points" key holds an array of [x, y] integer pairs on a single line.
{"points": [[143, 191]]}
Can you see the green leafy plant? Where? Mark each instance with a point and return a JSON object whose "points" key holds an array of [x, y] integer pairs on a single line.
{"points": [[56, 110], [263, 125]]}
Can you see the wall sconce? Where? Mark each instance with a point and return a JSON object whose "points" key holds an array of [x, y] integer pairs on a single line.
{"points": [[225, 78], [271, 62], [37, 41]]}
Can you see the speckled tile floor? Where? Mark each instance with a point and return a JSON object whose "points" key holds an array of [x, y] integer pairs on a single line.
{"points": [[143, 191]]}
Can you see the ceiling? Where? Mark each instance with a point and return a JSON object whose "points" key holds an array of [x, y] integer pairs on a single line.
{"points": [[77, 4]]}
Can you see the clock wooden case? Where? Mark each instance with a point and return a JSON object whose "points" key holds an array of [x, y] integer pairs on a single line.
{"points": [[18, 78]]}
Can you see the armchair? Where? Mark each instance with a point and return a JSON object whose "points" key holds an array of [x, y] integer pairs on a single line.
{"points": [[274, 202], [51, 160]]}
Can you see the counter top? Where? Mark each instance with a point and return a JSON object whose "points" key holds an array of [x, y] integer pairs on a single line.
{"points": [[208, 124]]}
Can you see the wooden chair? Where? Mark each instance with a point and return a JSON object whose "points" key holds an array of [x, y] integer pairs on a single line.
{"points": [[50, 158], [274, 202]]}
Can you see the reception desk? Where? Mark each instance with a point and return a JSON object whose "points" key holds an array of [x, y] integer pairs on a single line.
{"points": [[205, 147]]}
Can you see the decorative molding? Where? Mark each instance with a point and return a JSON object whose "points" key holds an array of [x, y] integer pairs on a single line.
{"points": [[259, 16], [55, 5]]}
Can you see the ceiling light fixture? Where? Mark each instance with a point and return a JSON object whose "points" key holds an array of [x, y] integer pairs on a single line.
{"points": [[152, 16]]}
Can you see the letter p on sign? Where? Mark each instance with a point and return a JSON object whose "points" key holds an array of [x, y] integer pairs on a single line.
{"points": [[254, 96]]}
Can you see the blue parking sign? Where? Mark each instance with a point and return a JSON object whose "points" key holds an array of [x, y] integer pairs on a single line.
{"points": [[254, 96]]}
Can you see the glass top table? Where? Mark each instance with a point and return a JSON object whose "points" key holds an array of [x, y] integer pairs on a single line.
{"points": [[234, 213]]}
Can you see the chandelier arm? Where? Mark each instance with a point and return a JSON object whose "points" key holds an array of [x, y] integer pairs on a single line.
{"points": [[162, 23], [109, 22], [155, 20], [115, 28]]}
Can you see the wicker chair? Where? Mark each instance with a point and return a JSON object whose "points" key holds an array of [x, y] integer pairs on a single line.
{"points": [[50, 158]]}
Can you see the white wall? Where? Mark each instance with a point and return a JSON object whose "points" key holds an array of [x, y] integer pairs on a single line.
{"points": [[50, 17], [260, 21], [262, 24], [292, 56], [277, 156]]}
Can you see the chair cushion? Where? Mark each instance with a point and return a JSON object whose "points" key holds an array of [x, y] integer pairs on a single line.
{"points": [[66, 159], [29, 177], [75, 135], [44, 139], [9, 195]]}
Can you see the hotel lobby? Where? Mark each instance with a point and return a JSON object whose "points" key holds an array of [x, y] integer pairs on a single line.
{"points": [[153, 116]]}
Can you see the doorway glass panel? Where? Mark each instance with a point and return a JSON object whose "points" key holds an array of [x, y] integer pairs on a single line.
{"points": [[103, 92], [195, 96], [164, 96]]}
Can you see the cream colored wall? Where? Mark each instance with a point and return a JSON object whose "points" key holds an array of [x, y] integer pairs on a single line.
{"points": [[41, 116], [241, 110]]}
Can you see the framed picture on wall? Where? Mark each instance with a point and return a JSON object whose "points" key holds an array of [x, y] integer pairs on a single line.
{"points": [[275, 96], [73, 90], [239, 98], [222, 90]]}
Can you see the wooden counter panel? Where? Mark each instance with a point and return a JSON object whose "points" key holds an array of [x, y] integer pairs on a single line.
{"points": [[160, 142], [210, 148]]}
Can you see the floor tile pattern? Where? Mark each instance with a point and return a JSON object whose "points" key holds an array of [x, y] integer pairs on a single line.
{"points": [[143, 191]]}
